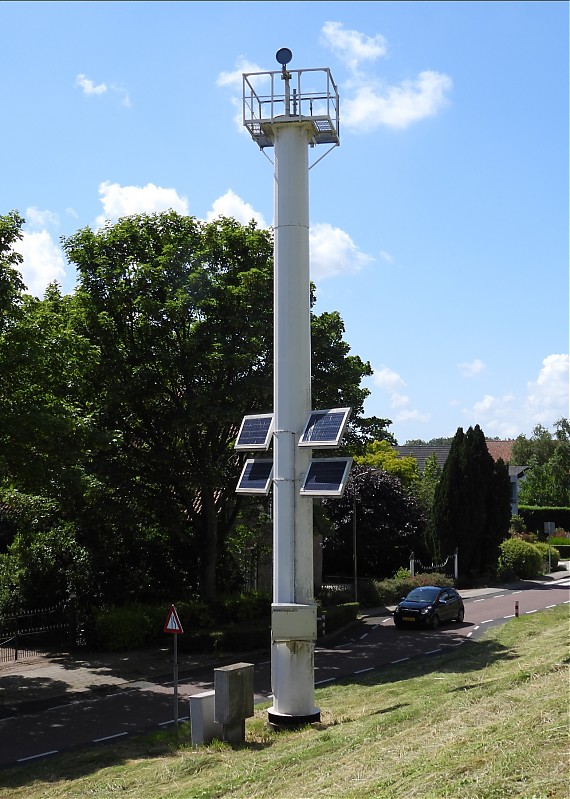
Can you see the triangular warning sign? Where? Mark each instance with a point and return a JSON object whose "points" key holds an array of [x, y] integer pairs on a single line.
{"points": [[172, 624]]}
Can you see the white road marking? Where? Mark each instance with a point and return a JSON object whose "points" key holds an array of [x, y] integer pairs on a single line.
{"points": [[322, 682], [432, 651], [401, 660], [363, 636], [363, 671], [530, 611], [33, 757], [479, 600], [109, 737], [512, 616], [487, 621]]}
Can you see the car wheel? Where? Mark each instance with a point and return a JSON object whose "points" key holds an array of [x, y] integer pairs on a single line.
{"points": [[460, 616], [435, 622]]}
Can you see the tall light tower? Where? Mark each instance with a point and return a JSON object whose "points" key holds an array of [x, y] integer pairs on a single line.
{"points": [[291, 111]]}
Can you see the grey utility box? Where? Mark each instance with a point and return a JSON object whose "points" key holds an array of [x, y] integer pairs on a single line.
{"points": [[233, 686], [292, 622]]}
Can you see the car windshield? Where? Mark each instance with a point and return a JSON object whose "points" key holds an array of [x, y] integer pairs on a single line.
{"points": [[423, 594]]}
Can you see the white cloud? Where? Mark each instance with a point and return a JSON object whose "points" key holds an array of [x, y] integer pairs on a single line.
{"points": [[121, 201], [392, 384], [471, 368], [333, 252], [412, 415], [547, 397], [43, 261], [388, 380], [232, 205], [396, 106], [35, 218], [545, 401], [88, 86], [234, 79], [351, 46]]}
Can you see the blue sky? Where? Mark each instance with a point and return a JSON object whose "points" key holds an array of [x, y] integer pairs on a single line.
{"points": [[439, 227]]}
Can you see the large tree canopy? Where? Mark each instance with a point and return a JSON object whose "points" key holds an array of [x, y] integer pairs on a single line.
{"points": [[180, 312]]}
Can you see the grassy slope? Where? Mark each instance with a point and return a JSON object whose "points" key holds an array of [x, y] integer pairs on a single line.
{"points": [[488, 720]]}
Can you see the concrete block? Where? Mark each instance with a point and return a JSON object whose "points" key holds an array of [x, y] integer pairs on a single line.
{"points": [[233, 687], [202, 724]]}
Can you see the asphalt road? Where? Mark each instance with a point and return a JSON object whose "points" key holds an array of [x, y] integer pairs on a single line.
{"points": [[142, 706]]}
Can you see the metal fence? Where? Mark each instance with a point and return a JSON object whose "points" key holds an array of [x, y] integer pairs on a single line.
{"points": [[31, 633]]}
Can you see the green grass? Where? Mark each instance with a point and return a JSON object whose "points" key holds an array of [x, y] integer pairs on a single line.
{"points": [[489, 721]]}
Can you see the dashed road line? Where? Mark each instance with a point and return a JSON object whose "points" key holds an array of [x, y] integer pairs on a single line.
{"points": [[34, 757], [363, 671], [528, 612], [487, 621], [401, 660], [109, 737], [432, 652]]}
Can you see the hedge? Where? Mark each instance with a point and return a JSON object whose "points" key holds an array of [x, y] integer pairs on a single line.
{"points": [[534, 517]]}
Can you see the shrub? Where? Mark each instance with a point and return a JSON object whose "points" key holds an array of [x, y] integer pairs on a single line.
{"points": [[518, 560], [128, 627], [554, 555], [389, 592]]}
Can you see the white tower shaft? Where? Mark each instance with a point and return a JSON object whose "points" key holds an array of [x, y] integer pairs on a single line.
{"points": [[292, 661]]}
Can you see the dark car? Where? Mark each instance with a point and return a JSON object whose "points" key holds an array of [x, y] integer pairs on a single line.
{"points": [[428, 606]]}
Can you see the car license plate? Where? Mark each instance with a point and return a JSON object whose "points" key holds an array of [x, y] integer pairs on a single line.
{"points": [[408, 618]]}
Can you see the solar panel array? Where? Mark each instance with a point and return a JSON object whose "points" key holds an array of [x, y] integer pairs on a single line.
{"points": [[326, 477]]}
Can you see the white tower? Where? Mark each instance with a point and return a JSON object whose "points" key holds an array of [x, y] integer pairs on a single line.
{"points": [[292, 111]]}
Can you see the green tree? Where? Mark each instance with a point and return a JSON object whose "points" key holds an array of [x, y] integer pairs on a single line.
{"points": [[11, 284], [180, 313], [547, 482], [425, 491], [389, 525], [472, 503], [382, 455]]}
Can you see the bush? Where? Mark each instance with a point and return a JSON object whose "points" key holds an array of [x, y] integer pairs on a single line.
{"points": [[389, 592], [518, 560], [128, 627], [554, 555]]}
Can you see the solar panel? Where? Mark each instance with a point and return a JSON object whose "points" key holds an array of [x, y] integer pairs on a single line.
{"points": [[324, 428], [255, 432], [326, 477], [256, 476]]}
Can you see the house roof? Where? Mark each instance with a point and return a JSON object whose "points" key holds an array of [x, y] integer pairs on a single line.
{"points": [[500, 449], [497, 449], [423, 452]]}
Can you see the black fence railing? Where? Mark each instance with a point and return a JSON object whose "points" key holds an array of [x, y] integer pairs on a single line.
{"points": [[31, 633]]}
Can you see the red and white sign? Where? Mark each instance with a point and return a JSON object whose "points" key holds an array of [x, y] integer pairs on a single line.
{"points": [[172, 624]]}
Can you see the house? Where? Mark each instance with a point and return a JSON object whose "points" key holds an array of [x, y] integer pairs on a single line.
{"points": [[497, 449]]}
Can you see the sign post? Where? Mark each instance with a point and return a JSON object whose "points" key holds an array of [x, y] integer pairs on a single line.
{"points": [[172, 625]]}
